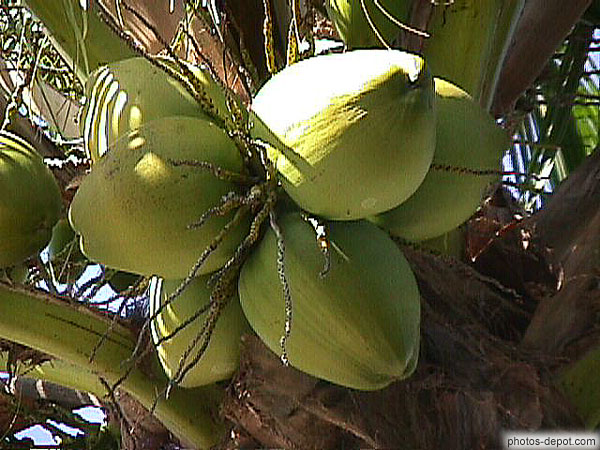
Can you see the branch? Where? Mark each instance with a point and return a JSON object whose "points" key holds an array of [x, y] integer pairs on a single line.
{"points": [[544, 24], [69, 331]]}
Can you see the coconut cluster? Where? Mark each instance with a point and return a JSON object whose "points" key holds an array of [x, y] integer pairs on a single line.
{"points": [[273, 219], [365, 142]]}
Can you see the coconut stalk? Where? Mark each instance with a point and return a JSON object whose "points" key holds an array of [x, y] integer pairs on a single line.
{"points": [[86, 41], [60, 373], [70, 332], [40, 387], [469, 41]]}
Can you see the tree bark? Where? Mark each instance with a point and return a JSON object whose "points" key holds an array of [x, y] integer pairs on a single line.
{"points": [[570, 227]]}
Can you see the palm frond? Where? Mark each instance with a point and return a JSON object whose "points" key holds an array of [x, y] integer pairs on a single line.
{"points": [[560, 128]]}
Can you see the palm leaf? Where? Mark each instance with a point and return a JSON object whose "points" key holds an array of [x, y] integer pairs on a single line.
{"points": [[562, 126]]}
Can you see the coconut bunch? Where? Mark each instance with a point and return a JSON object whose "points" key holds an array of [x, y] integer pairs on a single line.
{"points": [[352, 147], [370, 136], [136, 212]]}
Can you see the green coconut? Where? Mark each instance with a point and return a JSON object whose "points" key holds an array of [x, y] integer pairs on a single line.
{"points": [[222, 356], [355, 131], [134, 209], [359, 325], [350, 21], [126, 94], [468, 140], [30, 200]]}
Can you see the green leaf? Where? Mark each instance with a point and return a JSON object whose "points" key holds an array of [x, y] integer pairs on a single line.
{"points": [[84, 40]]}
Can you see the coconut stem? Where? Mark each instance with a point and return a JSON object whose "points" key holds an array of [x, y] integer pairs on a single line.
{"points": [[69, 331]]}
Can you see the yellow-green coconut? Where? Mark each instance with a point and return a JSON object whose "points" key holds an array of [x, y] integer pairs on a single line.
{"points": [[134, 209], [221, 358], [30, 200], [359, 325], [355, 131], [126, 94], [468, 142]]}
